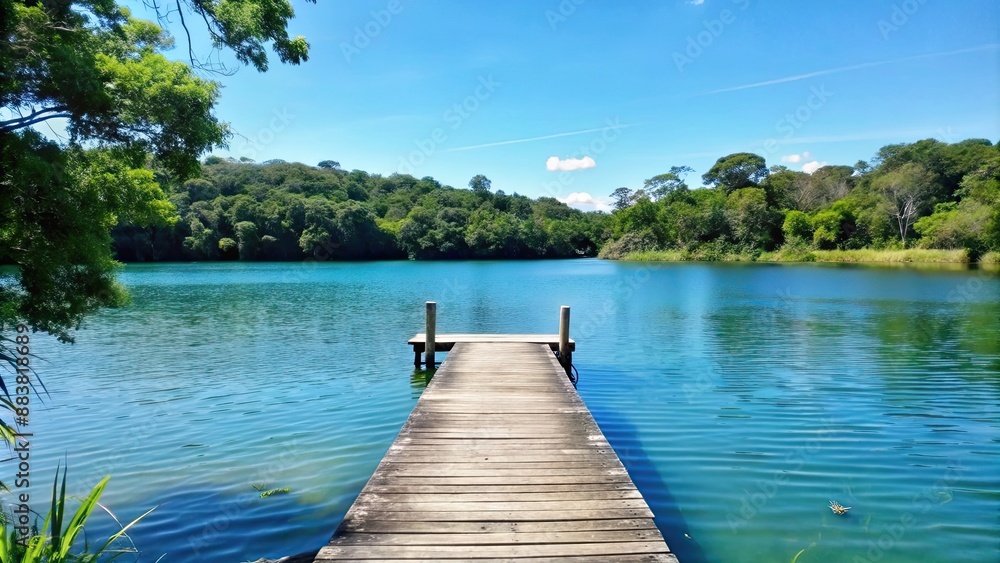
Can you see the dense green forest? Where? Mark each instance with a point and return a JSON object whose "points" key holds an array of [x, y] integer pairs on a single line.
{"points": [[290, 211], [927, 194]]}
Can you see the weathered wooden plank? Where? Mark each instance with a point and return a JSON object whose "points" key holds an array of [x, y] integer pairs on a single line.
{"points": [[485, 527], [532, 456], [499, 496], [504, 538], [377, 503], [416, 487], [453, 449], [416, 443], [499, 460], [472, 480], [503, 516], [471, 469], [446, 342], [609, 549]]}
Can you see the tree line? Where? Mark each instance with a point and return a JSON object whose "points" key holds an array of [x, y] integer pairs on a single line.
{"points": [[290, 211], [927, 194]]}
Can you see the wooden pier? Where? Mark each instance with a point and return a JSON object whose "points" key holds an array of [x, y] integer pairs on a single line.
{"points": [[499, 460]]}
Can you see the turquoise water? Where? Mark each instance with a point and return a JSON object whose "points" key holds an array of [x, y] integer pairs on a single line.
{"points": [[742, 399]]}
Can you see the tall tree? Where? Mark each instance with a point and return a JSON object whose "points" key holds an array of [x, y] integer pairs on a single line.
{"points": [[905, 190], [736, 171], [480, 184], [622, 198], [662, 185]]}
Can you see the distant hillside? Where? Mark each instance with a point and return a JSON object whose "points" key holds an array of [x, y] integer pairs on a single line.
{"points": [[291, 211]]}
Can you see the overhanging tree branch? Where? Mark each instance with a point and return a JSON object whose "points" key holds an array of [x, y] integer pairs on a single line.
{"points": [[34, 117], [180, 12]]}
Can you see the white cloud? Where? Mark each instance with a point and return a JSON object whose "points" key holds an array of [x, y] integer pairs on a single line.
{"points": [[696, 2], [585, 201], [578, 197], [795, 158], [553, 164], [813, 166]]}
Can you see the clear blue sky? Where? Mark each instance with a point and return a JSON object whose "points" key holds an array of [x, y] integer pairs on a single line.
{"points": [[687, 82]]}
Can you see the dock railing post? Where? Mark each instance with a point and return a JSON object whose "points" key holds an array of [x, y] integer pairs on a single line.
{"points": [[565, 355], [429, 335]]}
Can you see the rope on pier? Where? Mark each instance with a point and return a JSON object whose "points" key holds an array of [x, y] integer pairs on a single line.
{"points": [[574, 379]]}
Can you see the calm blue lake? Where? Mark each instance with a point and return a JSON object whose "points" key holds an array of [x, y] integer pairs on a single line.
{"points": [[742, 399]]}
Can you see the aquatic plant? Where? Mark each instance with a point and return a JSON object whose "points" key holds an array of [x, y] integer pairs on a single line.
{"points": [[837, 508], [54, 543]]}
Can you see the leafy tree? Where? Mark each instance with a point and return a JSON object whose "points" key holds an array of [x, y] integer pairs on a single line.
{"points": [[954, 225], [329, 165], [228, 248], [750, 219], [828, 228], [480, 184], [797, 226], [93, 65], [491, 234], [58, 208], [784, 188], [248, 239], [622, 198], [662, 185], [640, 216], [199, 189], [246, 27], [736, 171], [203, 242]]}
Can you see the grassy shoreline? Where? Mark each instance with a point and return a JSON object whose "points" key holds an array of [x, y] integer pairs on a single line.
{"points": [[862, 256]]}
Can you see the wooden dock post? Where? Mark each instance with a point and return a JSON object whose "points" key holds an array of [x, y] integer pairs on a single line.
{"points": [[565, 355], [430, 331]]}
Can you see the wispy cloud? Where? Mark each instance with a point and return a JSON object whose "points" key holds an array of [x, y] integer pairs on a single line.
{"points": [[530, 139], [795, 158], [695, 2], [861, 66], [876, 135]]}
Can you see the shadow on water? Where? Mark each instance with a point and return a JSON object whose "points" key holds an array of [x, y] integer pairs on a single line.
{"points": [[421, 377], [419, 380], [624, 438]]}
